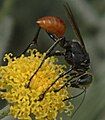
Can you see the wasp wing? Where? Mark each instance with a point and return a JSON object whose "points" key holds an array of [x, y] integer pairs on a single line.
{"points": [[73, 23]]}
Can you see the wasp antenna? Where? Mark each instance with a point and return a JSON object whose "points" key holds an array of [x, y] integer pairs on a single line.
{"points": [[73, 23], [80, 103]]}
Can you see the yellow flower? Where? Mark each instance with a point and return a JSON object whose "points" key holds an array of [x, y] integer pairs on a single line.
{"points": [[24, 101]]}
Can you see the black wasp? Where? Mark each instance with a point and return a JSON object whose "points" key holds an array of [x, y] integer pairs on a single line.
{"points": [[75, 52]]}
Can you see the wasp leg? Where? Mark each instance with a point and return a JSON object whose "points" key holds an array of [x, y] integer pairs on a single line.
{"points": [[3, 90], [75, 95], [61, 75], [84, 91], [45, 56], [33, 42], [75, 86], [80, 103], [66, 84], [81, 81]]}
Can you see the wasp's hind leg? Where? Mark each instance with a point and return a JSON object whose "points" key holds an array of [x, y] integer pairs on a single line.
{"points": [[59, 76]]}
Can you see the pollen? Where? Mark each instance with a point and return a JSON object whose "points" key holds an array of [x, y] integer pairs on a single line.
{"points": [[24, 101]]}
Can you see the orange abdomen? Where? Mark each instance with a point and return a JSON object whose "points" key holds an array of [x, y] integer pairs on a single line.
{"points": [[53, 25]]}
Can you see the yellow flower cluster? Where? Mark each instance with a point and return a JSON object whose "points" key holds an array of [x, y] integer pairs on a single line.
{"points": [[24, 101]]}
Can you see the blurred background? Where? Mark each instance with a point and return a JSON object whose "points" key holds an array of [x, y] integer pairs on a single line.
{"points": [[18, 27]]}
